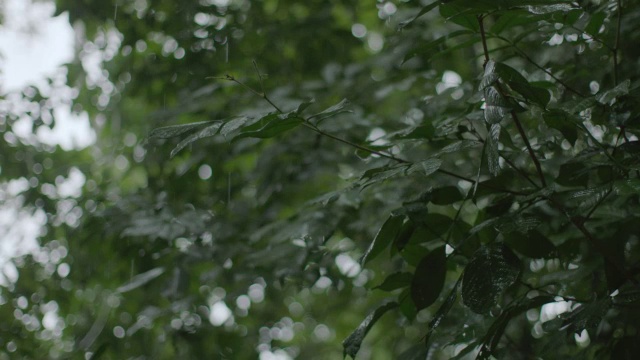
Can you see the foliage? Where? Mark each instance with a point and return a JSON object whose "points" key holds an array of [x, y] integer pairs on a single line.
{"points": [[482, 151]]}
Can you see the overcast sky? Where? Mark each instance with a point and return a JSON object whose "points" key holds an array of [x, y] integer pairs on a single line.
{"points": [[33, 46]]}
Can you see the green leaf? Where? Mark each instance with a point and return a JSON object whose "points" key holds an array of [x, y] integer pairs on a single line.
{"points": [[461, 15], [595, 23], [234, 124], [210, 130], [425, 9], [433, 47], [587, 316], [573, 174], [426, 167], [428, 278], [620, 90], [404, 235], [446, 195], [395, 281], [532, 244], [384, 238], [458, 146], [491, 271], [377, 175], [352, 343], [140, 280], [492, 338], [303, 105], [443, 310], [562, 121], [334, 110], [168, 132], [270, 126], [493, 155]]}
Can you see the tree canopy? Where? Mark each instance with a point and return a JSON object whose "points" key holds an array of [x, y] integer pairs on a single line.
{"points": [[279, 179]]}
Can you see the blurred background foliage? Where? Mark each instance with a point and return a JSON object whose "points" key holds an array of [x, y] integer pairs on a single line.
{"points": [[241, 248]]}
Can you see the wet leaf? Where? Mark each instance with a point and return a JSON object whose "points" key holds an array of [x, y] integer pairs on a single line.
{"points": [[270, 126], [563, 122], [351, 345], [493, 156], [532, 244], [443, 310], [207, 131], [334, 110], [395, 281], [384, 238], [168, 132], [428, 278], [607, 96], [425, 9], [426, 167], [491, 271], [446, 195], [140, 280]]}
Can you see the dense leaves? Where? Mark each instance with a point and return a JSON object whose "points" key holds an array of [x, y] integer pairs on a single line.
{"points": [[397, 153]]}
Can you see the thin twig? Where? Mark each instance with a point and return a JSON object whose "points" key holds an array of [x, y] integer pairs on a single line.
{"points": [[598, 203], [616, 46], [530, 60], [532, 154], [484, 40], [519, 171], [357, 146], [314, 128], [264, 93], [578, 222]]}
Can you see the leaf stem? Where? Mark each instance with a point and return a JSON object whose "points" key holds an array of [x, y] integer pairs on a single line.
{"points": [[533, 156]]}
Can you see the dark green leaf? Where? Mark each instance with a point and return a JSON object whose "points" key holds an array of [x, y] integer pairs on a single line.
{"points": [[384, 238], [210, 130], [491, 339], [587, 316], [395, 281], [595, 23], [446, 195], [434, 47], [404, 234], [270, 126], [425, 9], [573, 174], [461, 15], [491, 271], [428, 278], [334, 110], [352, 343], [563, 122], [532, 244], [443, 310]]}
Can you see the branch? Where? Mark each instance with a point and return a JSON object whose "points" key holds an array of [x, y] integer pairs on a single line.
{"points": [[533, 156], [532, 62]]}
